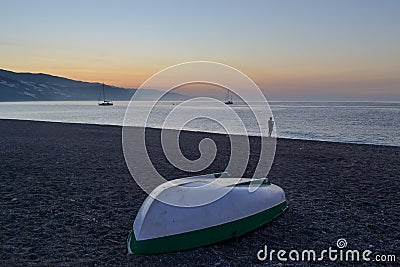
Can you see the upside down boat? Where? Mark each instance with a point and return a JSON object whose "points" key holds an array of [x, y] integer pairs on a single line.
{"points": [[161, 227]]}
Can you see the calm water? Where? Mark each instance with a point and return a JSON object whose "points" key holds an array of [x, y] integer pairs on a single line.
{"points": [[350, 122]]}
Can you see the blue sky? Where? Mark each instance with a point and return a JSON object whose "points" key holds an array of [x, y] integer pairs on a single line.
{"points": [[292, 49]]}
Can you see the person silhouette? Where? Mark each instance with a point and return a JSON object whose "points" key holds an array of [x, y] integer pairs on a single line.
{"points": [[270, 126]]}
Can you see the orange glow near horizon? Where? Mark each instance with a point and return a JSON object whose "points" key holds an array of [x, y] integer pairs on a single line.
{"points": [[336, 48], [270, 80]]}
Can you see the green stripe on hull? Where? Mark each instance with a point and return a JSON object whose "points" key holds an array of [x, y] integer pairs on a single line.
{"points": [[203, 237]]}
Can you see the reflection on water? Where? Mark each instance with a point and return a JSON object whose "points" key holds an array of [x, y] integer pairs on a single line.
{"points": [[355, 122]]}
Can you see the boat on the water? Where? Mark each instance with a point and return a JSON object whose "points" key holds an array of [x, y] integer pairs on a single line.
{"points": [[160, 227], [104, 102], [228, 100]]}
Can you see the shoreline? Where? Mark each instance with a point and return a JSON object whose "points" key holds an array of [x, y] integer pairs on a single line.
{"points": [[213, 133], [68, 198]]}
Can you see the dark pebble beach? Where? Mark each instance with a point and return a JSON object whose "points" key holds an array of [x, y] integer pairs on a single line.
{"points": [[67, 198]]}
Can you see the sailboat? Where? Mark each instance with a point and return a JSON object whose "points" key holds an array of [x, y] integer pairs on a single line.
{"points": [[105, 102], [228, 100]]}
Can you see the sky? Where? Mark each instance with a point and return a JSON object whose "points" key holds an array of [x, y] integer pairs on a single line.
{"points": [[293, 50]]}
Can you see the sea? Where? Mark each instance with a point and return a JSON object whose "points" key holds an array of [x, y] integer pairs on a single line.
{"points": [[348, 122]]}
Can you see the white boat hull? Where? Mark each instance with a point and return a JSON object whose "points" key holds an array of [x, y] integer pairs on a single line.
{"points": [[159, 226]]}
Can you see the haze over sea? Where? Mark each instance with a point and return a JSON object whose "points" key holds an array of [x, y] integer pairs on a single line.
{"points": [[348, 122]]}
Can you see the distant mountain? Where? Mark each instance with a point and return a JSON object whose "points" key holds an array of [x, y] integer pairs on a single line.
{"points": [[44, 87]]}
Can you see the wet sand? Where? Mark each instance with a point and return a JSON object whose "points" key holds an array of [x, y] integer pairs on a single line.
{"points": [[67, 197]]}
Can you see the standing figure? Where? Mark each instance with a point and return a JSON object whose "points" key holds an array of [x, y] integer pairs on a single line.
{"points": [[270, 126]]}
